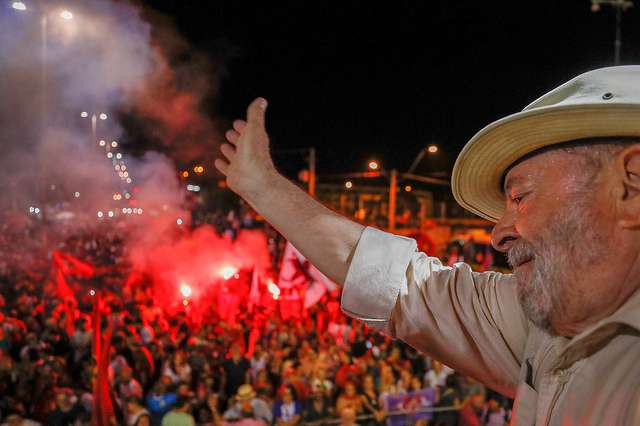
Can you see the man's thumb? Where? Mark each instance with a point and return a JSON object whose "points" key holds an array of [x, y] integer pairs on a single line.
{"points": [[256, 111]]}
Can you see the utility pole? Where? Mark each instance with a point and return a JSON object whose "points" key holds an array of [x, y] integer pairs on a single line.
{"points": [[312, 172], [620, 6], [393, 190], [618, 42]]}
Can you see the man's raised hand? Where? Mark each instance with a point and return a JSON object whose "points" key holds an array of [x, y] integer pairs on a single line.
{"points": [[324, 237], [247, 163]]}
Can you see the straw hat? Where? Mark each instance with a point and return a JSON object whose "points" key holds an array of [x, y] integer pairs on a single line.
{"points": [[600, 103], [245, 393]]}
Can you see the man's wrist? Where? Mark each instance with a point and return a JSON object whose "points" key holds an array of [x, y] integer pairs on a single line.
{"points": [[262, 187]]}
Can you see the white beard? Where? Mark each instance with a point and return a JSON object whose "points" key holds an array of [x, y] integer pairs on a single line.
{"points": [[561, 252]]}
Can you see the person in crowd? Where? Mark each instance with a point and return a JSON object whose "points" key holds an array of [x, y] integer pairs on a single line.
{"points": [[80, 341], [247, 405], [259, 361], [136, 414], [236, 369], [317, 406], [287, 410], [371, 403], [128, 386], [403, 385], [179, 414], [472, 410], [17, 420], [319, 379], [449, 399], [348, 417], [159, 402], [262, 384], [205, 409], [68, 409], [178, 369], [349, 398], [495, 414], [436, 376]]}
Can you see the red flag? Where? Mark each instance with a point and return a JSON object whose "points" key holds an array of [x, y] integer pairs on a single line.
{"points": [[102, 404], [96, 327], [72, 266], [66, 264], [298, 273], [64, 291], [254, 335], [320, 321], [68, 301], [254, 293]]}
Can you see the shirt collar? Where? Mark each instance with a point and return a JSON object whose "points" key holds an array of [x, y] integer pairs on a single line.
{"points": [[629, 312]]}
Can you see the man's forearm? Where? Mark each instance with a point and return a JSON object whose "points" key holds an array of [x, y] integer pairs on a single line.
{"points": [[324, 237]]}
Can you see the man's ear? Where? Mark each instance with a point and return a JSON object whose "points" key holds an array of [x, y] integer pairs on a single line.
{"points": [[628, 165]]}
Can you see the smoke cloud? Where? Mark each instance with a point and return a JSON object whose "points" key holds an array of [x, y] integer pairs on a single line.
{"points": [[65, 86]]}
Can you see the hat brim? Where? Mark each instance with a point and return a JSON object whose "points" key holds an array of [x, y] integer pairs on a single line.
{"points": [[246, 397], [478, 171]]}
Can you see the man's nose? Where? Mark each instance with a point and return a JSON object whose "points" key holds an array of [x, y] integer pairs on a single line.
{"points": [[504, 234]]}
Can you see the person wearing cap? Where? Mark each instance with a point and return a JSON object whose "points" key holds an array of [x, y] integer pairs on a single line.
{"points": [[247, 405], [561, 181]]}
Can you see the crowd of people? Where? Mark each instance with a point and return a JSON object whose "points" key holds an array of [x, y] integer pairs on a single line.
{"points": [[166, 369]]}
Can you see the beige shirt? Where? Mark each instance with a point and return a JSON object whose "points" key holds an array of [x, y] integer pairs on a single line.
{"points": [[473, 323]]}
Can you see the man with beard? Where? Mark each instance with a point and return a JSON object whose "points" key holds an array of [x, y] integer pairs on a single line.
{"points": [[561, 179]]}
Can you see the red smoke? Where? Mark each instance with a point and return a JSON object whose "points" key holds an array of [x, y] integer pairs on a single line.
{"points": [[197, 266]]}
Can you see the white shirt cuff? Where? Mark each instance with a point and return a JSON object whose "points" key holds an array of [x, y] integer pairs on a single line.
{"points": [[378, 269]]}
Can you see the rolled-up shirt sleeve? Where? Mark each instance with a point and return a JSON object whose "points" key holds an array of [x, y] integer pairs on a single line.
{"points": [[471, 321]]}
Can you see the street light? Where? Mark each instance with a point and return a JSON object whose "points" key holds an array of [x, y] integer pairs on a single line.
{"points": [[18, 5], [374, 165], [620, 6], [431, 149], [94, 123], [65, 14]]}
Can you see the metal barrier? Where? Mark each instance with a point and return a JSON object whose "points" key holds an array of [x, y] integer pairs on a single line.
{"points": [[334, 421]]}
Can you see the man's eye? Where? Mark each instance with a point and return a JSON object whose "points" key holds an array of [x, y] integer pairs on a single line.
{"points": [[517, 199]]}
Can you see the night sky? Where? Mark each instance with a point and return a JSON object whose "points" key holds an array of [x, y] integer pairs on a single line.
{"points": [[382, 79]]}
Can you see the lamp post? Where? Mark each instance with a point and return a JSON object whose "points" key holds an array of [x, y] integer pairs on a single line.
{"points": [[431, 149], [312, 172], [393, 192], [65, 15], [620, 6]]}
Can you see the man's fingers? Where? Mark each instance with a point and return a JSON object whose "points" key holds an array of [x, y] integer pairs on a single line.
{"points": [[221, 165], [255, 112], [228, 151], [232, 136], [239, 125]]}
